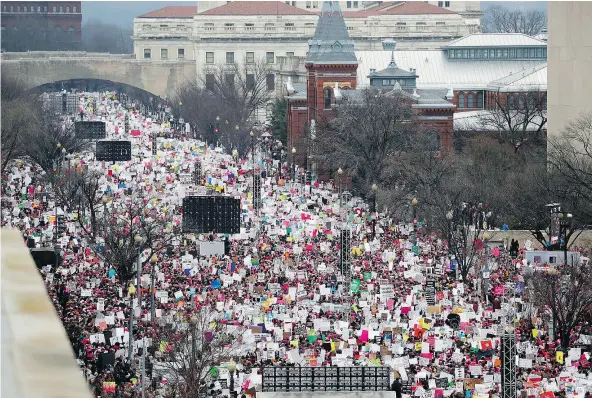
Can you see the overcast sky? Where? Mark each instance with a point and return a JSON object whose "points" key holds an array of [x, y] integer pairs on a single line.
{"points": [[122, 13]]}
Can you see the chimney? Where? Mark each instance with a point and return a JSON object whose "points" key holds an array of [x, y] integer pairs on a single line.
{"points": [[372, 71]]}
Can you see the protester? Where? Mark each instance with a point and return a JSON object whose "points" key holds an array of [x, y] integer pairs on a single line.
{"points": [[280, 284]]}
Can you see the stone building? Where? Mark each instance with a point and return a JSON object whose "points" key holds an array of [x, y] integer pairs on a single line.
{"points": [[41, 25]]}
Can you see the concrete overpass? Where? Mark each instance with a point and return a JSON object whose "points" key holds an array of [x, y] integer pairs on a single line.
{"points": [[38, 68]]}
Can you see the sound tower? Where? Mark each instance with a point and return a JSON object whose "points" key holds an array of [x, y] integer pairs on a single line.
{"points": [[197, 173], [154, 144], [345, 254], [508, 365], [114, 151], [257, 192], [207, 214]]}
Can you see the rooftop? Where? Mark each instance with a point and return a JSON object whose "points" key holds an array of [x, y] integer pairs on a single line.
{"points": [[409, 8], [256, 8], [495, 40], [435, 70], [172, 12], [485, 120], [530, 79]]}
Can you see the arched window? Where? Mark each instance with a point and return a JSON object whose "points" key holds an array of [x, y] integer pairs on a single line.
{"points": [[38, 8], [15, 28], [479, 100], [24, 8], [61, 9], [71, 30], [68, 9], [511, 102], [327, 98], [44, 8], [74, 9], [11, 8], [55, 9], [471, 101], [520, 102], [18, 8], [58, 29], [461, 100]]}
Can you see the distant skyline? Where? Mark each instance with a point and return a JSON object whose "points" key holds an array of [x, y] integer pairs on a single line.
{"points": [[122, 13]]}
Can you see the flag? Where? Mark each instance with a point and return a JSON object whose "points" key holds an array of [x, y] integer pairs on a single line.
{"points": [[486, 345]]}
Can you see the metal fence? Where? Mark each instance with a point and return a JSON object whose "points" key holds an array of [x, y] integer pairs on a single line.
{"points": [[283, 378]]}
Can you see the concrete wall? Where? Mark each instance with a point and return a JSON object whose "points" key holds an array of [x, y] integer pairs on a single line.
{"points": [[37, 358], [569, 54], [333, 394], [158, 77]]}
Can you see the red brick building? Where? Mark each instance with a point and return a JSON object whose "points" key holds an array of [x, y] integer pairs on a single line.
{"points": [[41, 25], [331, 67]]}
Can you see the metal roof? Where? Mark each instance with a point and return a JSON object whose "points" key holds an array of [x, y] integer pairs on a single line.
{"points": [[531, 79], [495, 40], [436, 71], [484, 120], [256, 8], [331, 43]]}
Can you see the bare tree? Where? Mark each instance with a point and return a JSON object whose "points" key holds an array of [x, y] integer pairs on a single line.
{"points": [[223, 103], [197, 344], [51, 141], [367, 134], [126, 228], [566, 293], [517, 119], [570, 156], [79, 189], [499, 19], [19, 117]]}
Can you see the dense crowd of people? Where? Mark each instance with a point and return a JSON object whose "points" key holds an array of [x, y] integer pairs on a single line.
{"points": [[278, 290]]}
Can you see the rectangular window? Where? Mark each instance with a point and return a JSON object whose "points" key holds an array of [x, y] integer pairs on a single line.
{"points": [[250, 81], [229, 57], [289, 26], [269, 27], [210, 81], [308, 4], [492, 53], [470, 101], [229, 79], [270, 79], [180, 53], [451, 54], [478, 54], [512, 53], [290, 54], [209, 26], [446, 4], [249, 26], [440, 23], [440, 4], [270, 57], [147, 53], [210, 57], [250, 58], [355, 4], [401, 26], [386, 82], [544, 52], [518, 53], [539, 53], [498, 53], [479, 100], [505, 53], [228, 26], [471, 53], [421, 26], [146, 27], [348, 4], [164, 27], [486, 53], [531, 52], [164, 53], [465, 54]]}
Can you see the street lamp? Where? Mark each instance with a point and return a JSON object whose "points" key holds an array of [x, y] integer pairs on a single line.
{"points": [[340, 173], [374, 189], [153, 261], [414, 204], [137, 240], [255, 205], [231, 366], [293, 163], [484, 280]]}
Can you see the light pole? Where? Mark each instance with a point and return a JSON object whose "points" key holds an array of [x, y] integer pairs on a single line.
{"points": [[293, 164], [450, 217], [414, 203], [137, 240], [340, 173], [255, 204], [564, 223], [231, 366], [153, 261], [374, 189], [484, 280]]}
